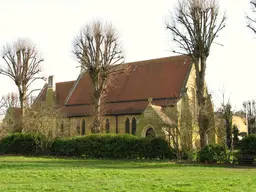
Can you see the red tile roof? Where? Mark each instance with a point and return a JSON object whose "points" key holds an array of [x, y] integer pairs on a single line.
{"points": [[161, 79], [42, 95], [62, 91], [156, 78]]}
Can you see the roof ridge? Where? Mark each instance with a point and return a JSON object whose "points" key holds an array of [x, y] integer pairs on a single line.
{"points": [[155, 59], [156, 106], [162, 115], [186, 79], [38, 96], [66, 81], [74, 87]]}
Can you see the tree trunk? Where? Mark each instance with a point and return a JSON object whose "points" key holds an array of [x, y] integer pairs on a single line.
{"points": [[228, 134], [202, 131], [201, 100], [97, 116], [22, 110]]}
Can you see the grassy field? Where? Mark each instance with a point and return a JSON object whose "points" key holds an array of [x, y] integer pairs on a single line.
{"points": [[48, 174]]}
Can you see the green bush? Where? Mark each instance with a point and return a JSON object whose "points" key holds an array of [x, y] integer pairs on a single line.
{"points": [[156, 148], [247, 151], [18, 143], [248, 145], [212, 154], [92, 146], [112, 146], [189, 155]]}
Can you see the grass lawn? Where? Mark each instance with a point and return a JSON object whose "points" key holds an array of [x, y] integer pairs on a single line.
{"points": [[49, 174]]}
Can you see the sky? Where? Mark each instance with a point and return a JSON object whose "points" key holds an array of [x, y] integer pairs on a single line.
{"points": [[53, 24]]}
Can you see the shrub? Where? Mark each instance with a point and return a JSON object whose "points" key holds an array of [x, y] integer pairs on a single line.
{"points": [[247, 151], [248, 145], [18, 143], [64, 147], [156, 148], [112, 146], [92, 146], [189, 155], [212, 154]]}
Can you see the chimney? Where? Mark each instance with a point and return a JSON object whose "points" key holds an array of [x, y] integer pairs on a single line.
{"points": [[51, 83], [50, 98]]}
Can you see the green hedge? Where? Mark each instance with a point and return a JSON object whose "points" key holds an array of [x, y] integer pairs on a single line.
{"points": [[18, 143], [212, 154], [247, 145], [247, 150], [112, 146], [91, 146]]}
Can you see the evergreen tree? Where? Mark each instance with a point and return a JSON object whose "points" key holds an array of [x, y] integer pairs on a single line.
{"points": [[235, 137], [228, 123]]}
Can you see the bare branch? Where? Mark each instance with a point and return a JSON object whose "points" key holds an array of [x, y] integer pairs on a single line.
{"points": [[98, 51], [22, 65], [11, 100], [46, 121], [195, 25], [250, 17]]}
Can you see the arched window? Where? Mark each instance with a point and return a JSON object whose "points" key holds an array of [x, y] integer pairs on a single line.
{"points": [[150, 132], [83, 127], [127, 125], [62, 127], [107, 125], [134, 126], [78, 127]]}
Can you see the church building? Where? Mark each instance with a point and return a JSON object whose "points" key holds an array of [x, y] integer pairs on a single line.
{"points": [[155, 97]]}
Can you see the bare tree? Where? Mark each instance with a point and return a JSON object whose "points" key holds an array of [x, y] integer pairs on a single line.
{"points": [[224, 130], [249, 108], [195, 24], [22, 65], [9, 108], [47, 122], [11, 100], [251, 20], [98, 51]]}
